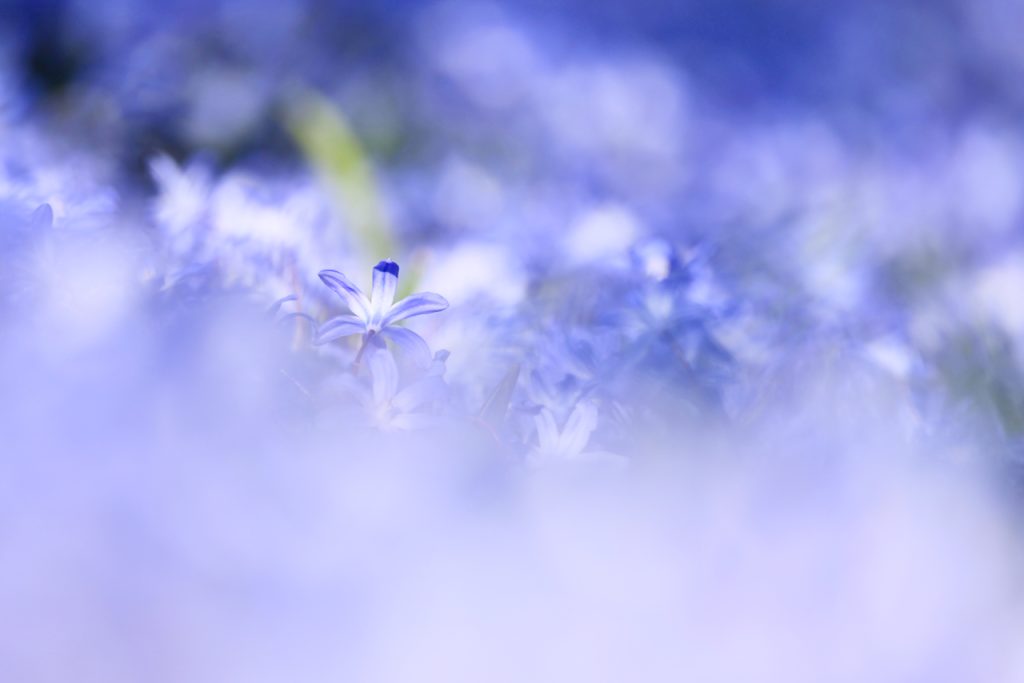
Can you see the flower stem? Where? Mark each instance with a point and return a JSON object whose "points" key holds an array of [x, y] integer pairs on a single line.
{"points": [[362, 349]]}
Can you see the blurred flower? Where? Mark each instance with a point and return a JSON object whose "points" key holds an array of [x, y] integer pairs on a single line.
{"points": [[387, 404], [182, 201], [478, 272], [570, 442], [602, 236], [995, 294], [248, 230], [655, 258]]}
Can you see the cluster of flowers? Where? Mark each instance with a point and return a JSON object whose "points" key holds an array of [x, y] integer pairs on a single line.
{"points": [[564, 353], [653, 356], [562, 417]]}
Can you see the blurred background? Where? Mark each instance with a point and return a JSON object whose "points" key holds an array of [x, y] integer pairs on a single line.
{"points": [[730, 387]]}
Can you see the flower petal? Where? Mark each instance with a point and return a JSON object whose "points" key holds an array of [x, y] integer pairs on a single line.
{"points": [[353, 296], [384, 372], [42, 217], [605, 459], [276, 306], [410, 342], [439, 364], [578, 428], [336, 328], [410, 398], [297, 316], [547, 431], [413, 421], [382, 295], [415, 304]]}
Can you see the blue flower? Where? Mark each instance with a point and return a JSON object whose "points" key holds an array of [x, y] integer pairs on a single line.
{"points": [[378, 314]]}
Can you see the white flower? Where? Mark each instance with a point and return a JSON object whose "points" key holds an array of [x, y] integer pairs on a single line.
{"points": [[390, 406], [570, 442]]}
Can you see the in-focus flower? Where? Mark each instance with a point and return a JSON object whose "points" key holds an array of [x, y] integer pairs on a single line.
{"points": [[379, 314]]}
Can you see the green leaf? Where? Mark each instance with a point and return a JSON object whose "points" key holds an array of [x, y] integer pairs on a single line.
{"points": [[329, 144]]}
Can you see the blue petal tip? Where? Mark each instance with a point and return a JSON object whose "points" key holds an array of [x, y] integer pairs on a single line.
{"points": [[387, 266]]}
